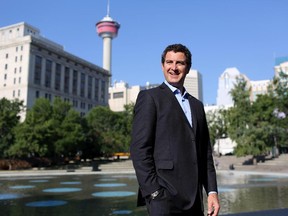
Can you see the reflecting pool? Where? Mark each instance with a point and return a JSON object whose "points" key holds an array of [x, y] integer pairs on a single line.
{"points": [[116, 194]]}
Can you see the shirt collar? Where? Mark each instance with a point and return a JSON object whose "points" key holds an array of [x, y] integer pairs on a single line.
{"points": [[176, 90]]}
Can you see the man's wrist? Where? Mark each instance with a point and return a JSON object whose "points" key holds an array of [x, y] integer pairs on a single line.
{"points": [[154, 194]]}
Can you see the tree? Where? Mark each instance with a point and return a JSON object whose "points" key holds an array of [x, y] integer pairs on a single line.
{"points": [[259, 133], [70, 135], [110, 129], [9, 119], [217, 124], [239, 118], [35, 135], [280, 87]]}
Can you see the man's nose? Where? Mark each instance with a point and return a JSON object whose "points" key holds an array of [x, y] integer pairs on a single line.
{"points": [[174, 66]]}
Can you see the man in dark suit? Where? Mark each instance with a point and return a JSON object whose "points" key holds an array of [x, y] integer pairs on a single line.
{"points": [[170, 147]]}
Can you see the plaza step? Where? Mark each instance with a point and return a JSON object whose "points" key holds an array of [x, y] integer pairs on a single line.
{"points": [[117, 166]]}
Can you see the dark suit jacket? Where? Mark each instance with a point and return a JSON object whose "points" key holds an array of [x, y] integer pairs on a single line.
{"points": [[167, 152]]}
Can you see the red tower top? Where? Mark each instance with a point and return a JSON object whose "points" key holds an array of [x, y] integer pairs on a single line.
{"points": [[107, 27]]}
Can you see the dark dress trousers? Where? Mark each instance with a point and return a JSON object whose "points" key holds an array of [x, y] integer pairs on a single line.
{"points": [[168, 154]]}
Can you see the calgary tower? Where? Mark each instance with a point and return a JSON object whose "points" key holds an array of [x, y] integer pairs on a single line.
{"points": [[107, 28]]}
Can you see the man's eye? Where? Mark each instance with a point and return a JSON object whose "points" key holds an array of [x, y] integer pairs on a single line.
{"points": [[181, 63]]}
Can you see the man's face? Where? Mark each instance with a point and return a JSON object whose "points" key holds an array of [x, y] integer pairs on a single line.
{"points": [[175, 68]]}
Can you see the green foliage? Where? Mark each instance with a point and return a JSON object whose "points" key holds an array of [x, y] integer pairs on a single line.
{"points": [[9, 119], [34, 135], [257, 127], [70, 135], [111, 129], [280, 85], [217, 124], [239, 114], [56, 130]]}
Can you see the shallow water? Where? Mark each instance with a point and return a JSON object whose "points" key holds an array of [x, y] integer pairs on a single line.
{"points": [[116, 194]]}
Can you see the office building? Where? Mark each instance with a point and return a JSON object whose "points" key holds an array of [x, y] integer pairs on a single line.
{"points": [[281, 64], [121, 94], [32, 66], [226, 83], [259, 87], [193, 84]]}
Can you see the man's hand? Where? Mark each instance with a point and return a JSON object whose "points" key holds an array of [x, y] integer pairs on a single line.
{"points": [[213, 204]]}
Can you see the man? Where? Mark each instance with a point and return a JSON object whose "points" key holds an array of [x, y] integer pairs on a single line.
{"points": [[170, 148]]}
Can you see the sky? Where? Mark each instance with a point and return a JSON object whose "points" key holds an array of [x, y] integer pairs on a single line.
{"points": [[246, 34]]}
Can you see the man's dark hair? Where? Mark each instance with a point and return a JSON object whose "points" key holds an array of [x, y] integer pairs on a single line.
{"points": [[178, 48]]}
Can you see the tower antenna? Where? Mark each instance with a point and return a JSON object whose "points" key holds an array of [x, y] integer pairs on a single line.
{"points": [[108, 8]]}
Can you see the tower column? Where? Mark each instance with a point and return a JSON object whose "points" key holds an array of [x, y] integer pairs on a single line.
{"points": [[107, 57]]}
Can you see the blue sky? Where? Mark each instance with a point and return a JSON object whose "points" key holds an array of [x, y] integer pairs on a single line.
{"points": [[246, 34]]}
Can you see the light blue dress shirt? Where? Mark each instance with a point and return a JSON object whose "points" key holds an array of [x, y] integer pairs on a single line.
{"points": [[182, 100]]}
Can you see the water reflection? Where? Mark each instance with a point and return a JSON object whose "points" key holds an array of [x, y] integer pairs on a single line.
{"points": [[247, 193], [116, 194]]}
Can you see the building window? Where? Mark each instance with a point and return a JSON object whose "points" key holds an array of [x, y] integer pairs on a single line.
{"points": [[48, 96], [15, 58], [75, 82], [82, 85], [75, 103], [66, 79], [6, 66], [13, 93], [7, 55], [5, 76], [48, 73], [37, 70], [103, 87], [37, 94], [21, 58], [82, 105], [14, 81], [90, 79], [19, 80], [15, 70], [19, 93], [16, 49], [20, 69], [96, 90], [90, 106], [118, 95], [58, 77]]}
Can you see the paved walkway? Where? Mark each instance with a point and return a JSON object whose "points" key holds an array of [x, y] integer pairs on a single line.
{"points": [[278, 164]]}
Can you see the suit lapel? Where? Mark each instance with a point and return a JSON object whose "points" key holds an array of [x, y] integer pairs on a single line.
{"points": [[193, 113]]}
